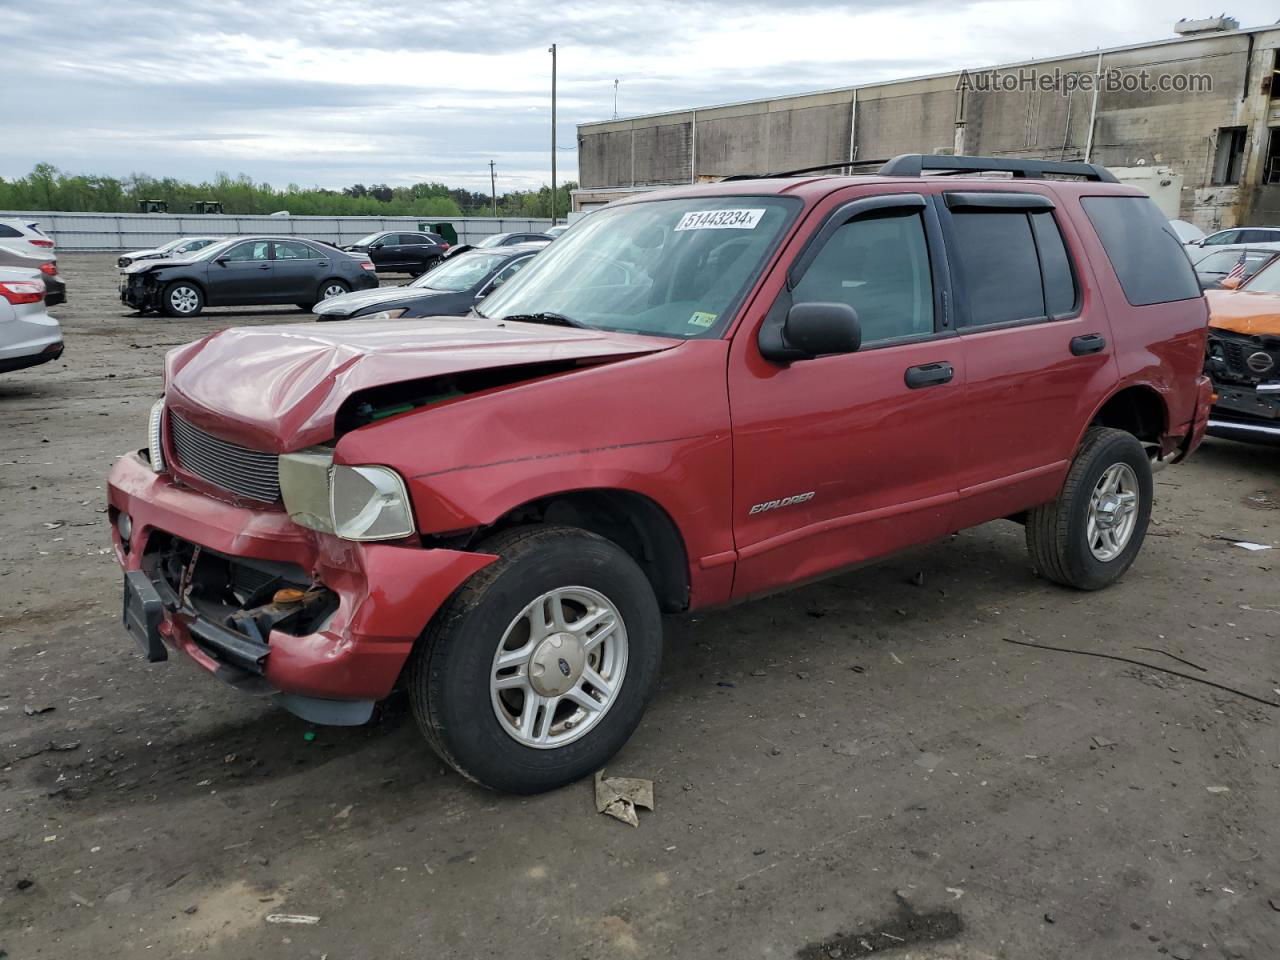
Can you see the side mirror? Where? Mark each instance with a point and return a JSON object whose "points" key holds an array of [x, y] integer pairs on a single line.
{"points": [[817, 329], [222, 261], [376, 246], [1230, 283]]}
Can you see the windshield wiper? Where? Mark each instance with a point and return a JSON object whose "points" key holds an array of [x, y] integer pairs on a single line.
{"points": [[554, 319]]}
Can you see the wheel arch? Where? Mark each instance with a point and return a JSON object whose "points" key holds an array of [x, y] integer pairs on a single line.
{"points": [[633, 521], [1137, 408]]}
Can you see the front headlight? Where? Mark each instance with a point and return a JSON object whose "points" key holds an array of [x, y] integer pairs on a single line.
{"points": [[155, 446], [395, 314], [369, 503], [355, 503]]}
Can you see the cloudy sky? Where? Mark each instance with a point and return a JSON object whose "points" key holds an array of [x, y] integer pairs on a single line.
{"points": [[327, 93]]}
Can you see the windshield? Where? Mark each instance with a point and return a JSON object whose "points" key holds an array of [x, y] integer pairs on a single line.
{"points": [[171, 245], [494, 240], [674, 268], [1266, 281], [461, 272], [215, 249], [365, 241]]}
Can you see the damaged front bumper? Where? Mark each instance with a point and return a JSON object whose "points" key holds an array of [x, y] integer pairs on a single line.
{"points": [[323, 625]]}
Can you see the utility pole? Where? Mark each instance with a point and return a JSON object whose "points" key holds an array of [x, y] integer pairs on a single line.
{"points": [[615, 99], [493, 189], [552, 50]]}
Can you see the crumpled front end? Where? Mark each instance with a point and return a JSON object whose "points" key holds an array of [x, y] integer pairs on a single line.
{"points": [[323, 624], [1245, 368]]}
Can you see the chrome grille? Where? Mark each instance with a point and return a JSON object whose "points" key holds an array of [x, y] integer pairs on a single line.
{"points": [[236, 469]]}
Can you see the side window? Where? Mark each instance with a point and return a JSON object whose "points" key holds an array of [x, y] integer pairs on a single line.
{"points": [[996, 255], [1147, 258], [1226, 236], [879, 265], [1255, 236], [286, 250], [511, 270], [252, 250], [1060, 293], [8, 231]]}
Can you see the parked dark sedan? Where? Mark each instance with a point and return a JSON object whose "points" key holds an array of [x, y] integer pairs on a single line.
{"points": [[414, 253], [450, 290], [245, 270]]}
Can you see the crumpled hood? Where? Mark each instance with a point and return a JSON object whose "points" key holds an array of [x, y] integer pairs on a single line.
{"points": [[279, 388], [1243, 311], [346, 304], [141, 265]]}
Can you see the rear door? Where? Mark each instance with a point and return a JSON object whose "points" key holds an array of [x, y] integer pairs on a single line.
{"points": [[842, 458], [243, 274], [297, 270], [1037, 347]]}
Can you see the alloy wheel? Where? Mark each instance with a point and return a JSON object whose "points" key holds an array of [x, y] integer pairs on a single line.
{"points": [[1113, 512], [559, 667]]}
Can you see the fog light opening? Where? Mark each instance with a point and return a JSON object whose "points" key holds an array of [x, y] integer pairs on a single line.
{"points": [[124, 524]]}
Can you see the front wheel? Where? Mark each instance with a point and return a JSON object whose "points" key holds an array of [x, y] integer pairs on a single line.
{"points": [[182, 299], [1092, 533], [539, 668]]}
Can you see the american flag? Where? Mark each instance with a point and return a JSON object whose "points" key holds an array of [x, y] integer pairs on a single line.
{"points": [[1237, 272]]}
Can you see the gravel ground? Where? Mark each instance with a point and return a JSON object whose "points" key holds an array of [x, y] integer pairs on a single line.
{"points": [[861, 765]]}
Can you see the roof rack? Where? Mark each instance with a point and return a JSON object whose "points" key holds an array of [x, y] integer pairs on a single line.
{"points": [[837, 165], [915, 164]]}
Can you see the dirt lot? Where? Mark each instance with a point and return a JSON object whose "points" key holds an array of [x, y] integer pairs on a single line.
{"points": [[859, 766]]}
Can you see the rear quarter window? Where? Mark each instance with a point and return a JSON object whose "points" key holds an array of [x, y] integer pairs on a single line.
{"points": [[1147, 258], [8, 231]]}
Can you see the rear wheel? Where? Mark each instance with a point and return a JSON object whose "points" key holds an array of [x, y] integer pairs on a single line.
{"points": [[333, 288], [1092, 533], [182, 299], [539, 668]]}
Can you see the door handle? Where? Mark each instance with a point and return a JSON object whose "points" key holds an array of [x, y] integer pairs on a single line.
{"points": [[929, 375], [265, 266], [1089, 343]]}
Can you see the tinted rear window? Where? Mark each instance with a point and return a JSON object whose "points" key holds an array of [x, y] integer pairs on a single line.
{"points": [[998, 262], [8, 231], [1148, 259]]}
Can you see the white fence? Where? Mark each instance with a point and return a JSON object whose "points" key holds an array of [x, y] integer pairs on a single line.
{"points": [[77, 232]]}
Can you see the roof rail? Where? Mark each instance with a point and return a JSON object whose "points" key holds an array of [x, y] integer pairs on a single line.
{"points": [[836, 165], [915, 165]]}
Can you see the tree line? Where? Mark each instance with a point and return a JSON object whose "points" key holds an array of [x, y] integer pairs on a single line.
{"points": [[48, 188]]}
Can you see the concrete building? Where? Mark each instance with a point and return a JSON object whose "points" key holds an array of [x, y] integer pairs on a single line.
{"points": [[1196, 116]]}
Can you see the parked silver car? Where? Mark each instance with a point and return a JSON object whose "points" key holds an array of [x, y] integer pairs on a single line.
{"points": [[28, 335], [24, 245], [174, 249]]}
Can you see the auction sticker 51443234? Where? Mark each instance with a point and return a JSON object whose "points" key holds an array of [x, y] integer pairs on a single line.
{"points": [[720, 220]]}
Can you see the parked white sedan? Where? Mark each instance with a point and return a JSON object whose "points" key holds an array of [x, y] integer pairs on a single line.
{"points": [[28, 335]]}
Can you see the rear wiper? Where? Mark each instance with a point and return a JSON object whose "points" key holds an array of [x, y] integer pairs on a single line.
{"points": [[554, 319]]}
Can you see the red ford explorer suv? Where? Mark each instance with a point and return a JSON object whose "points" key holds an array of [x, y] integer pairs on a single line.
{"points": [[691, 398]]}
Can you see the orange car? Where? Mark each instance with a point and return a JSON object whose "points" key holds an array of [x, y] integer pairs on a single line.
{"points": [[1243, 357]]}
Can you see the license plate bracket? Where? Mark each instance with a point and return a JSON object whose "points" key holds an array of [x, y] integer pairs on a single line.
{"points": [[142, 612]]}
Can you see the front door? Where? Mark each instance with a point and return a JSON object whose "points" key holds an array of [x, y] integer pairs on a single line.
{"points": [[242, 275], [1038, 352], [843, 458]]}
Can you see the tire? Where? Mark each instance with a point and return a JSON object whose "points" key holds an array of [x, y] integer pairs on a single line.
{"points": [[182, 299], [332, 288], [475, 727], [1059, 534]]}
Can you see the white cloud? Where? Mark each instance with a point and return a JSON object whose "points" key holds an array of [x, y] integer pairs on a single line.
{"points": [[329, 93]]}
